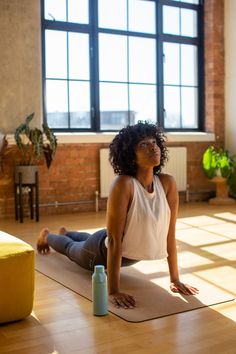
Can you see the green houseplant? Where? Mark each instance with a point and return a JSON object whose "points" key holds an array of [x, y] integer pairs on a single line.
{"points": [[35, 145], [219, 166], [217, 162]]}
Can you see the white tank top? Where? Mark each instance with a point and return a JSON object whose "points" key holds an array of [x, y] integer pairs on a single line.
{"points": [[147, 225]]}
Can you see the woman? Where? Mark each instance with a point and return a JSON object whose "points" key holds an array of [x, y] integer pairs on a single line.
{"points": [[141, 214]]}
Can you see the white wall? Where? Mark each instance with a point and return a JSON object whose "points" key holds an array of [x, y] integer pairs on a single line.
{"points": [[230, 75]]}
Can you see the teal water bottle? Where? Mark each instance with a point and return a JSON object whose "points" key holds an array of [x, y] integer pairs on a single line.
{"points": [[99, 291]]}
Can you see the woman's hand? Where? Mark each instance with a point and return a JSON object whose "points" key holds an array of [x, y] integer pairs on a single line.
{"points": [[122, 300], [178, 287]]}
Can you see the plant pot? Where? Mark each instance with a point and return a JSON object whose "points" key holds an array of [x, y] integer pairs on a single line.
{"points": [[218, 172], [222, 192], [27, 173]]}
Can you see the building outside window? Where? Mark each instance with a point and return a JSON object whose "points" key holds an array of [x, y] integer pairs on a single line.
{"points": [[109, 63]]}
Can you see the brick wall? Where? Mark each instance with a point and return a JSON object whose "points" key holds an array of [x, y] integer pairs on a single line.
{"points": [[214, 67], [74, 175]]}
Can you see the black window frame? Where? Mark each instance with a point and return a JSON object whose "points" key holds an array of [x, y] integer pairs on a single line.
{"points": [[93, 31]]}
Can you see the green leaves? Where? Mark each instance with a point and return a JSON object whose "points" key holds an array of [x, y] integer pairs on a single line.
{"points": [[209, 162], [35, 144], [217, 162]]}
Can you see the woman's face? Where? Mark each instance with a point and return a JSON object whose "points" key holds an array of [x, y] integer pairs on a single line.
{"points": [[148, 153]]}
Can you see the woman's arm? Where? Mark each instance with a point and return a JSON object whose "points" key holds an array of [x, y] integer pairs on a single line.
{"points": [[119, 200], [172, 196]]}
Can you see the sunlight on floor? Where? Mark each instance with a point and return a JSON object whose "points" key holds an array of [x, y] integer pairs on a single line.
{"points": [[222, 277], [200, 220], [226, 216], [180, 225], [227, 230], [224, 251], [189, 259], [198, 237]]}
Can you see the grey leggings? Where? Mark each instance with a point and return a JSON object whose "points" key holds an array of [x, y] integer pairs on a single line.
{"points": [[87, 250]]}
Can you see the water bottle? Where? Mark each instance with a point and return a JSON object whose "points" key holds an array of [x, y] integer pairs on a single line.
{"points": [[99, 291]]}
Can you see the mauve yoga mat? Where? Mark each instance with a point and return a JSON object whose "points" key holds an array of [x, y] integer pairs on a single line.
{"points": [[148, 281]]}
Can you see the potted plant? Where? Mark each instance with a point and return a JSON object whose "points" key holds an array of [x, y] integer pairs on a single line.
{"points": [[35, 145], [217, 162], [219, 166]]}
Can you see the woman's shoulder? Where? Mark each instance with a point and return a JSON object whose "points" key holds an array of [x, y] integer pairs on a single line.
{"points": [[166, 177], [121, 190], [122, 182], [167, 181]]}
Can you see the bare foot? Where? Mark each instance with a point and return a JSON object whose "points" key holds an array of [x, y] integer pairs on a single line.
{"points": [[62, 231], [42, 245]]}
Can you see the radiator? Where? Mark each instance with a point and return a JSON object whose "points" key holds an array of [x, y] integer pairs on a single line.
{"points": [[106, 173], [176, 166]]}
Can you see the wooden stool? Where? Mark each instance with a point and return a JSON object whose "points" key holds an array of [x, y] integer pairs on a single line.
{"points": [[222, 192], [33, 191]]}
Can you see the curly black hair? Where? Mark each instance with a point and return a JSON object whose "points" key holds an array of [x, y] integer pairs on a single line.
{"points": [[122, 149]]}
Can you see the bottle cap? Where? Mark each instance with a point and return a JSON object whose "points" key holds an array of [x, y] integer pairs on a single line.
{"points": [[99, 268]]}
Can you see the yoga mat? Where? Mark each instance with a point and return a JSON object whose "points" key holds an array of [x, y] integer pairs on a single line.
{"points": [[147, 281]]}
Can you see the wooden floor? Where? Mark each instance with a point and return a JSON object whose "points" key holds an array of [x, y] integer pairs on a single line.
{"points": [[62, 321]]}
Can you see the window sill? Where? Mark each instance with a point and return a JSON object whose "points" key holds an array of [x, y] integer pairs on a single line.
{"points": [[88, 138], [190, 137], [98, 138]]}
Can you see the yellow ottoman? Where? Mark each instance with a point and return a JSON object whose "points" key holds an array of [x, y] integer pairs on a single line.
{"points": [[16, 278]]}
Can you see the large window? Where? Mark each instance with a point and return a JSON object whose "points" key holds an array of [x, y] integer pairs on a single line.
{"points": [[109, 63]]}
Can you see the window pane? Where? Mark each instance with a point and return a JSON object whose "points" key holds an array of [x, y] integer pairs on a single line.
{"points": [[113, 106], [79, 56], [78, 11], [55, 10], [189, 65], [172, 107], [189, 107], [171, 63], [188, 23], [57, 103], [142, 16], [189, 1], [80, 105], [171, 20], [143, 103], [112, 57], [112, 14], [56, 54], [142, 60], [192, 1]]}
